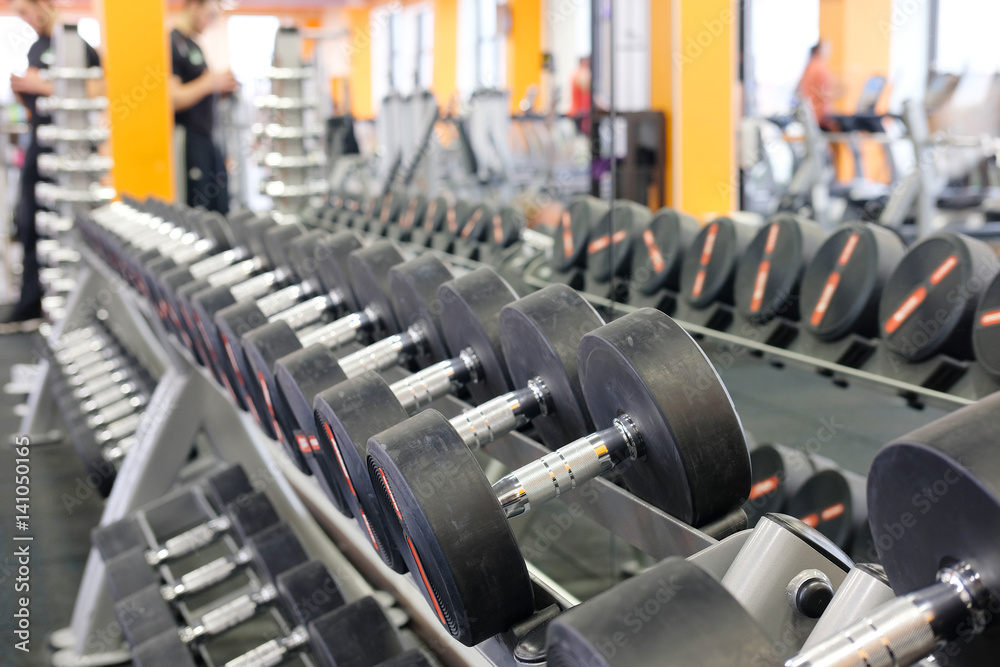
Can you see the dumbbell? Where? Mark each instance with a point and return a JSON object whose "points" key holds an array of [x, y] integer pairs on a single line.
{"points": [[539, 335], [473, 302], [985, 339], [441, 223], [842, 285], [671, 430], [573, 234], [410, 218], [206, 304], [777, 473], [355, 635], [933, 503], [369, 282], [147, 613], [768, 601], [498, 231], [929, 302], [302, 593], [658, 251], [609, 250], [709, 270], [409, 299], [386, 212], [770, 271]]}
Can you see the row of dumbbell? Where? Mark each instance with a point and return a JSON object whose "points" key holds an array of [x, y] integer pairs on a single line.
{"points": [[435, 537], [861, 279], [102, 392], [154, 582]]}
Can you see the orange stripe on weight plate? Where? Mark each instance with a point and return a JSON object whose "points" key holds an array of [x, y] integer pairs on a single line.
{"points": [[845, 254], [990, 319], [706, 252], [764, 487], [943, 270], [699, 283], [567, 234], [906, 309], [824, 299], [655, 256], [832, 512], [760, 284], [772, 238]]}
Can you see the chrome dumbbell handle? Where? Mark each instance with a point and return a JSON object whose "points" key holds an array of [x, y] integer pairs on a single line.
{"points": [[499, 416], [273, 652], [310, 311], [258, 286], [116, 411], [230, 614], [100, 383], [217, 262], [383, 354], [235, 274], [339, 333], [189, 541], [120, 429], [108, 396], [207, 575], [435, 381]]}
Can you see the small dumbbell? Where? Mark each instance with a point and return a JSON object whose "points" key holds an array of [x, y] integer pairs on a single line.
{"points": [[652, 437], [369, 267], [440, 214], [539, 335], [147, 613]]}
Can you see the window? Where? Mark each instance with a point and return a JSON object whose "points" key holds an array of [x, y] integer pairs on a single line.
{"points": [[781, 32], [425, 49], [966, 30], [490, 70]]}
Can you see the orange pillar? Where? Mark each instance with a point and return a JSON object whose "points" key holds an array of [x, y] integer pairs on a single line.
{"points": [[445, 76], [661, 83], [358, 51], [859, 49], [137, 72], [703, 123], [524, 49]]}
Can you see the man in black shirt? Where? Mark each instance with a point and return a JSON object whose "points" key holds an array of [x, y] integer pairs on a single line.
{"points": [[41, 16], [194, 90]]}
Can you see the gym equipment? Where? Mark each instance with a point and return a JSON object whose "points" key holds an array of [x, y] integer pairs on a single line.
{"points": [[476, 580], [572, 237], [609, 250], [932, 497], [770, 272], [658, 251], [929, 303], [539, 336], [420, 278], [777, 472], [842, 285], [369, 283], [985, 341], [302, 593], [660, 616], [833, 503], [146, 613], [355, 635], [708, 273]]}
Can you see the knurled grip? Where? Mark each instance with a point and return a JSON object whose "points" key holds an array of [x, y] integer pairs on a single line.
{"points": [[376, 357], [115, 411], [120, 428], [425, 387], [493, 419], [206, 267], [896, 634], [106, 397], [307, 312], [192, 540], [255, 287], [336, 334], [283, 299], [230, 614]]}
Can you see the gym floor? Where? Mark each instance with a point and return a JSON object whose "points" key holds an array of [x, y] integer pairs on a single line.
{"points": [[61, 530]]}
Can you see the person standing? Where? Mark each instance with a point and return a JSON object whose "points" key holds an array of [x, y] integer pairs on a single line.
{"points": [[41, 16], [819, 87], [194, 89]]}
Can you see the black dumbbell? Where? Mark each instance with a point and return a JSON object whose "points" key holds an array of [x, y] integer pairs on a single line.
{"points": [[258, 294], [410, 218], [709, 270], [842, 286], [933, 503], [670, 429], [572, 235], [929, 303], [985, 330], [369, 281], [267, 344], [609, 250], [539, 336], [355, 635], [658, 251], [441, 223], [147, 612], [473, 301], [302, 593], [770, 271]]}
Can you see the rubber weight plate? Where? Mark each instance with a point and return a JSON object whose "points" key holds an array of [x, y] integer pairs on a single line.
{"points": [[770, 272], [609, 252], [986, 330], [670, 614], [370, 279], [540, 335], [573, 233], [347, 415], [505, 227], [434, 215], [413, 215], [824, 503], [356, 635], [767, 484], [457, 541], [709, 268], [477, 224], [276, 241], [658, 252], [413, 287], [842, 286], [470, 311], [929, 303], [933, 499], [645, 365]]}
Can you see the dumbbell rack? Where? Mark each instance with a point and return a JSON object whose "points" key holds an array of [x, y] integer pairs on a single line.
{"points": [[74, 164], [187, 402], [289, 130]]}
